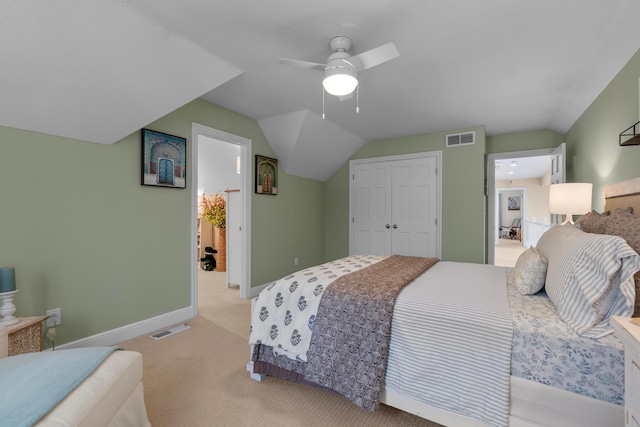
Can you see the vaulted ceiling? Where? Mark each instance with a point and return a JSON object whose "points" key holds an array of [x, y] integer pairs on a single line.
{"points": [[98, 71]]}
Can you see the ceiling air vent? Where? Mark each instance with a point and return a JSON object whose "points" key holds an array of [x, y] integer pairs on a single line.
{"points": [[458, 139]]}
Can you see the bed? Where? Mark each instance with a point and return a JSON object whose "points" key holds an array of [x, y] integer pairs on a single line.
{"points": [[109, 395], [548, 364]]}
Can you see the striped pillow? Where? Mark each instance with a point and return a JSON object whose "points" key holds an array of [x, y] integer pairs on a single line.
{"points": [[589, 277]]}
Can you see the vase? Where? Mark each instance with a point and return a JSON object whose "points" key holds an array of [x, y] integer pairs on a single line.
{"points": [[220, 244]]}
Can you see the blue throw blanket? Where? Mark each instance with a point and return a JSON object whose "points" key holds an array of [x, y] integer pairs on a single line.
{"points": [[32, 384]]}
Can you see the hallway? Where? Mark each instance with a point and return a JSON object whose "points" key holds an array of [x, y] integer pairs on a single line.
{"points": [[507, 252]]}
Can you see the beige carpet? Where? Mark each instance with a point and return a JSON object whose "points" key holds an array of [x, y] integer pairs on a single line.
{"points": [[198, 377], [507, 252]]}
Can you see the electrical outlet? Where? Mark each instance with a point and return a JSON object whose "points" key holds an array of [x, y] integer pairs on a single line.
{"points": [[55, 317]]}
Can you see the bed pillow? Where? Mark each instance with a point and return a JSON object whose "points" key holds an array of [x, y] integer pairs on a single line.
{"points": [[627, 226], [529, 273], [593, 222], [589, 277]]}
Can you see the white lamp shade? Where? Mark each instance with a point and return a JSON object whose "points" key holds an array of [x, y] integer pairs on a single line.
{"points": [[340, 81], [570, 198]]}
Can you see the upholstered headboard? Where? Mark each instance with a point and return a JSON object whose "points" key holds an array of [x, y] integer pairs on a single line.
{"points": [[623, 195]]}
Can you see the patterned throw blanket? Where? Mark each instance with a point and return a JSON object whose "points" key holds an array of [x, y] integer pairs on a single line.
{"points": [[349, 344], [284, 314]]}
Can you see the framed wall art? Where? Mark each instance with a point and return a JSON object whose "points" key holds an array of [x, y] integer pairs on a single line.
{"points": [[163, 159], [266, 175], [513, 203]]}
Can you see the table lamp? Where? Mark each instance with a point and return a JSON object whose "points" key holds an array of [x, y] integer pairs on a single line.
{"points": [[570, 199], [7, 292]]}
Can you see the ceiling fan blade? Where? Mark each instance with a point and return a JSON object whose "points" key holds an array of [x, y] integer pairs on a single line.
{"points": [[374, 57], [303, 64]]}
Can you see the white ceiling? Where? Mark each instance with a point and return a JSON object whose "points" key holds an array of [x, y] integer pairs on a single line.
{"points": [[100, 70], [522, 168]]}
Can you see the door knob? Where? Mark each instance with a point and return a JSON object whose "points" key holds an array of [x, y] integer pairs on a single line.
{"points": [[387, 226], [395, 225]]}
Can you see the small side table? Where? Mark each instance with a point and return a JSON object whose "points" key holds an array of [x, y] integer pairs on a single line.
{"points": [[26, 335]]}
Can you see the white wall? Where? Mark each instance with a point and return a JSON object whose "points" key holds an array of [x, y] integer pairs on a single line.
{"points": [[217, 166]]}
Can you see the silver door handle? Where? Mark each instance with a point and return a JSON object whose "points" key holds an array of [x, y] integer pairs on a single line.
{"points": [[387, 226], [395, 225]]}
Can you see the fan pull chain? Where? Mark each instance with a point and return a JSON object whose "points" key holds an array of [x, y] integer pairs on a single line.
{"points": [[322, 102], [357, 99]]}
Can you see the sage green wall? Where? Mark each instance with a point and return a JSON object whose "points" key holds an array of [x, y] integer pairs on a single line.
{"points": [[463, 201], [592, 142], [523, 141], [283, 227], [85, 236]]}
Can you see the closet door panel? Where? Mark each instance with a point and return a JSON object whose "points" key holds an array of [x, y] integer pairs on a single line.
{"points": [[372, 209], [394, 207], [414, 207]]}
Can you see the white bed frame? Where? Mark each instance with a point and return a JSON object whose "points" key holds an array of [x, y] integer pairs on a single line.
{"points": [[533, 404]]}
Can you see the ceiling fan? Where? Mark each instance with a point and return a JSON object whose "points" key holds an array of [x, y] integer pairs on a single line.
{"points": [[341, 69]]}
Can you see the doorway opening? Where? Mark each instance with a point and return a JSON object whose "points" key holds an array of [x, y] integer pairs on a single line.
{"points": [[210, 159], [524, 177], [511, 211]]}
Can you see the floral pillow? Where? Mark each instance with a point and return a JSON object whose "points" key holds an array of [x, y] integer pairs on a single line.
{"points": [[530, 272]]}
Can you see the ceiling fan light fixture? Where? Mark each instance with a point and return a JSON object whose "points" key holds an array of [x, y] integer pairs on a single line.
{"points": [[340, 81]]}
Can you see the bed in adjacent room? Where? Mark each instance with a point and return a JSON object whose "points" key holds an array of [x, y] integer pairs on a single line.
{"points": [[467, 344]]}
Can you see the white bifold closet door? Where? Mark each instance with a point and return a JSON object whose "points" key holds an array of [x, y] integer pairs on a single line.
{"points": [[394, 207]]}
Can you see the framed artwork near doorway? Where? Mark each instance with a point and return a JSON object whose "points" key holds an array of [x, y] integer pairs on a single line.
{"points": [[513, 203], [266, 175], [163, 159]]}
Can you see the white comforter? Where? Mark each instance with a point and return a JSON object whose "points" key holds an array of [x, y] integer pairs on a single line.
{"points": [[450, 344]]}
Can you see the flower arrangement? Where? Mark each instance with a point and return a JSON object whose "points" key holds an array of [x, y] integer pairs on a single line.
{"points": [[213, 209]]}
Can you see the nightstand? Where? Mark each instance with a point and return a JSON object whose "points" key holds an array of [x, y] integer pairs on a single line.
{"points": [[629, 334], [26, 335]]}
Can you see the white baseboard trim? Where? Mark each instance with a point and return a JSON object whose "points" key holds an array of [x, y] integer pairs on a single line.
{"points": [[142, 327], [132, 330], [256, 289]]}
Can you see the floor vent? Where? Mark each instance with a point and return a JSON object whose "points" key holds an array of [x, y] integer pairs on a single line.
{"points": [[171, 331], [459, 139]]}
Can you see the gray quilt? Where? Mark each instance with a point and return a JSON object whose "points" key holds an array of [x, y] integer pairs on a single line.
{"points": [[349, 344]]}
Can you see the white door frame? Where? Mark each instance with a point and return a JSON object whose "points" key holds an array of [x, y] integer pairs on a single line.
{"points": [[491, 190], [246, 169], [437, 155]]}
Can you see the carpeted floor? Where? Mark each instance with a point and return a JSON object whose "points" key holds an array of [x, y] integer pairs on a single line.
{"points": [[507, 252], [198, 377]]}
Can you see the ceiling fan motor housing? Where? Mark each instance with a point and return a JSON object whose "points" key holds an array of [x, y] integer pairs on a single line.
{"points": [[340, 43], [339, 60]]}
